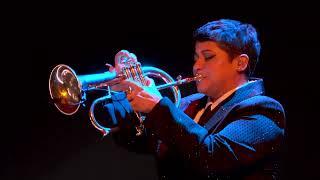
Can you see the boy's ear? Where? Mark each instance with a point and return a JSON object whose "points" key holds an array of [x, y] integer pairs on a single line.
{"points": [[242, 62]]}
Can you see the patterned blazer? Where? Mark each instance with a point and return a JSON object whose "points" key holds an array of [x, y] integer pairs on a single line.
{"points": [[242, 139]]}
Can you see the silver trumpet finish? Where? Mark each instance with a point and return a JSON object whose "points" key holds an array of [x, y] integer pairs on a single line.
{"points": [[68, 90]]}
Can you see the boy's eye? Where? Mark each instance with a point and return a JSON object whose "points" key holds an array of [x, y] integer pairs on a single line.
{"points": [[208, 57]]}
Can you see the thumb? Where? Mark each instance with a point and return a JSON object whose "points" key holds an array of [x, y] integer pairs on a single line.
{"points": [[149, 82]]}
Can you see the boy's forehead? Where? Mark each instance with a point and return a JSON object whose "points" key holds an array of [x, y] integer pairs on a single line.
{"points": [[206, 46]]}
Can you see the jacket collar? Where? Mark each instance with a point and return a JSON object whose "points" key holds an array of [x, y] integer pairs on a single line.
{"points": [[246, 91]]}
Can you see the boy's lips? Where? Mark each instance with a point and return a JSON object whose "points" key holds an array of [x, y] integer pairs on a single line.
{"points": [[200, 77]]}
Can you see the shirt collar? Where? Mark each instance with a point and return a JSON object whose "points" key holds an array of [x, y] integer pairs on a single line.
{"points": [[225, 96]]}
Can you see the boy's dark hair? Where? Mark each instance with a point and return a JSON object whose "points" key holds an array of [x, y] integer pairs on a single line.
{"points": [[234, 37]]}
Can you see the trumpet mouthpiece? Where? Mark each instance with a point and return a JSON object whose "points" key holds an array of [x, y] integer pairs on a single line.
{"points": [[197, 77]]}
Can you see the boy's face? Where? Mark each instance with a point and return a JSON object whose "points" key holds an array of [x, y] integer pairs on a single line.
{"points": [[215, 67]]}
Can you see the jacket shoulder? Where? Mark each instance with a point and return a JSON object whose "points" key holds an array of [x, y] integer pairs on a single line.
{"points": [[262, 105], [261, 102]]}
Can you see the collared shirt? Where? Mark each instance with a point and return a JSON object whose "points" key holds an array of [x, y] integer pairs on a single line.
{"points": [[218, 101]]}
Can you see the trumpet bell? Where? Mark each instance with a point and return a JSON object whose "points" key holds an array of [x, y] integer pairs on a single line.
{"points": [[65, 89]]}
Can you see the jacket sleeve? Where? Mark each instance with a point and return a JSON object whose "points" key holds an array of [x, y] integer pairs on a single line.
{"points": [[118, 113], [250, 135]]}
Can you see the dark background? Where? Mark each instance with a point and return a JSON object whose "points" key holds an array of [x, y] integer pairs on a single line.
{"points": [[44, 144]]}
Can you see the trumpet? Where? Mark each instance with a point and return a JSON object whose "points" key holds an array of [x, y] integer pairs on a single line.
{"points": [[68, 90]]}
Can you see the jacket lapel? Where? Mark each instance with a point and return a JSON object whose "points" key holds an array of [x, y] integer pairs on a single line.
{"points": [[252, 89], [192, 104]]}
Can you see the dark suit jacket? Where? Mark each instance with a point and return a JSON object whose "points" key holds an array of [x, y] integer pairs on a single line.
{"points": [[242, 139]]}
